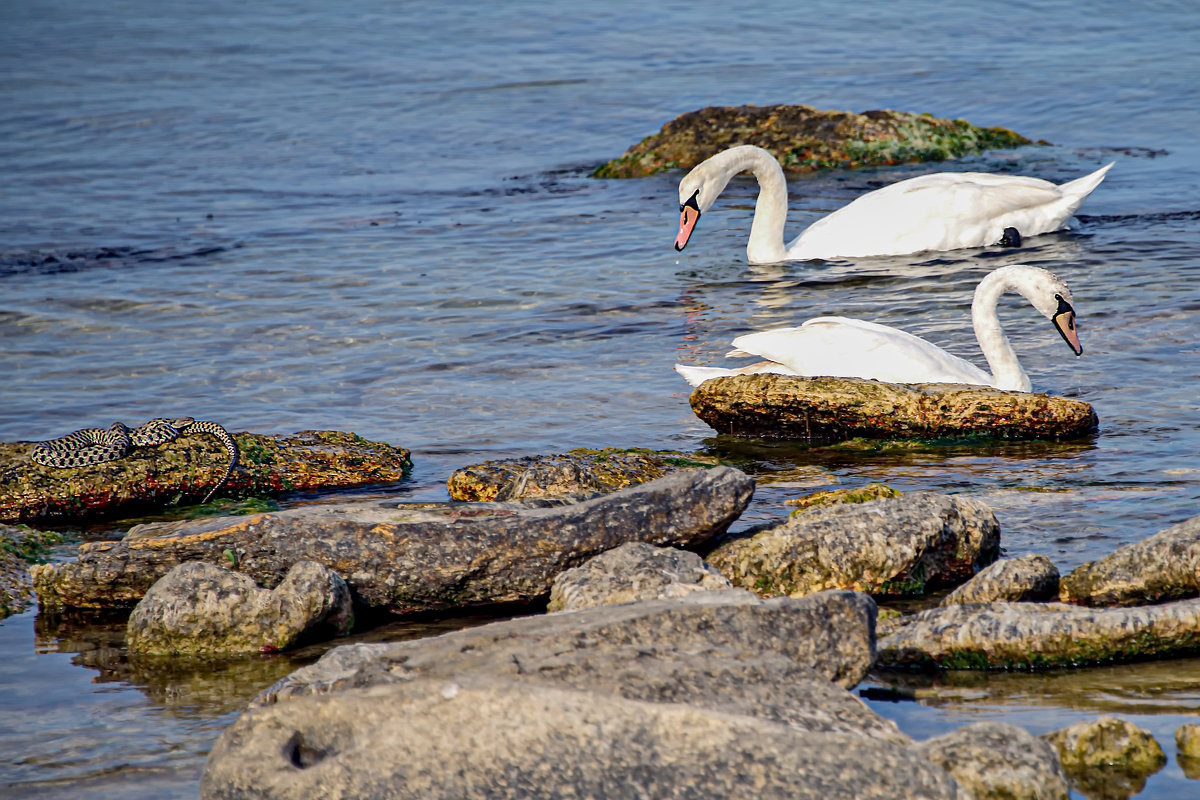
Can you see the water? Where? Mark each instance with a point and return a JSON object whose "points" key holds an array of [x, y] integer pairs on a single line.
{"points": [[291, 216]]}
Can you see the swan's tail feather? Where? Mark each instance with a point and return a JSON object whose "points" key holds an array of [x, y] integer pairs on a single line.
{"points": [[1076, 191], [698, 375]]}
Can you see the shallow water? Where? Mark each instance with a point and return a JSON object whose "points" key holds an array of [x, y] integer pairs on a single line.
{"points": [[288, 216]]}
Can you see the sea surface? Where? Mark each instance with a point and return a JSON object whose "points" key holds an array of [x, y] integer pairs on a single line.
{"points": [[379, 218]]}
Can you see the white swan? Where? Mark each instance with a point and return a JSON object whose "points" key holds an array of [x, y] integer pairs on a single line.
{"points": [[851, 348], [942, 211]]}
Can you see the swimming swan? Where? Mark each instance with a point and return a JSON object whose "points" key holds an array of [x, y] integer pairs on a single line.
{"points": [[851, 348], [942, 211]]}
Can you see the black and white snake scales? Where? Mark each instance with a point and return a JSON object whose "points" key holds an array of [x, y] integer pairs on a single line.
{"points": [[97, 445]]}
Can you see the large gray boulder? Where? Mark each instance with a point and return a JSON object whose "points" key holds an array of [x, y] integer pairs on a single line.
{"points": [[703, 696], [199, 608], [1165, 566], [998, 761], [633, 571], [409, 556], [895, 545], [1025, 635], [1024, 579]]}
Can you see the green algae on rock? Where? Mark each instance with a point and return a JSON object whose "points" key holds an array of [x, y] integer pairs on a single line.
{"points": [[1107, 757], [836, 409], [805, 139], [181, 472], [832, 497], [577, 471], [21, 546]]}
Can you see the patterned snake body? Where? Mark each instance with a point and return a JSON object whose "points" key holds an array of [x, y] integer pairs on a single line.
{"points": [[96, 445]]}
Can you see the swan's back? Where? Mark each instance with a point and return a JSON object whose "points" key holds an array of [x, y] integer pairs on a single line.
{"points": [[943, 211], [851, 348]]}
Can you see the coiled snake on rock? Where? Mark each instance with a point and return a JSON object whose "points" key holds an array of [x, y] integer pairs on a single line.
{"points": [[97, 445]]}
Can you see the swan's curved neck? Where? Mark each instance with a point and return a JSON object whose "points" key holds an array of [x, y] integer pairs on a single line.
{"points": [[1006, 369], [770, 211]]}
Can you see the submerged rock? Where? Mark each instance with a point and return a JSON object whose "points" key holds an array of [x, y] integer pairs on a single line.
{"points": [[703, 695], [20, 547], [835, 409], [409, 556], [833, 497], [182, 471], [804, 139], [1165, 566], [578, 471], [200, 608], [1108, 757], [1024, 579], [900, 545], [998, 761], [1035, 635], [633, 571]]}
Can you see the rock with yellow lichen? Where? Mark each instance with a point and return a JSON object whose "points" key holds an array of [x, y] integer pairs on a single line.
{"points": [[183, 471], [835, 409], [578, 471], [805, 139]]}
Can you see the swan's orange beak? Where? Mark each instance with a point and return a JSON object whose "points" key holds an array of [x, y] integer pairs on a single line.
{"points": [[1064, 320], [689, 215]]}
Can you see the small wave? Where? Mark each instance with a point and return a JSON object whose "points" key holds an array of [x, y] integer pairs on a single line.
{"points": [[42, 262]]}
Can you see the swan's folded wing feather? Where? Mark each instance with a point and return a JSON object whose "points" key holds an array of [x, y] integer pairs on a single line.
{"points": [[842, 347]]}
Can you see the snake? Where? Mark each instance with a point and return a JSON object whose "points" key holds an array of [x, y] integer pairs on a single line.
{"points": [[89, 446]]}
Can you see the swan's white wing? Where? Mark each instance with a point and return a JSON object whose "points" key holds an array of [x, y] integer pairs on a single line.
{"points": [[851, 348], [698, 375], [943, 211]]}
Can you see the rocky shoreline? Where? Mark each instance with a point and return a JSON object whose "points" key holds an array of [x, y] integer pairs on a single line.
{"points": [[731, 652]]}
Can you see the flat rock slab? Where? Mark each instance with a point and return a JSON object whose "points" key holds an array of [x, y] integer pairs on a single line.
{"points": [[894, 545], [835, 409], [574, 472], [1164, 566], [1035, 635], [699, 697], [805, 139], [408, 556], [182, 472]]}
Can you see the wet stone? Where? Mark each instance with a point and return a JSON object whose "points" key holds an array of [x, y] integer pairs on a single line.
{"points": [[202, 609], [182, 471], [998, 761], [1028, 579], [1165, 566], [836, 409], [895, 545], [1108, 757], [804, 139], [633, 571]]}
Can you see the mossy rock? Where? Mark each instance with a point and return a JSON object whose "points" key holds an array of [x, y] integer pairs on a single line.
{"points": [[805, 139], [837, 409], [181, 473], [577, 471], [831, 497]]}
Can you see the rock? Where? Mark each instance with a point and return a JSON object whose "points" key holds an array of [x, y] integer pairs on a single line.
{"points": [[1165, 566], [633, 571], [805, 139], [1108, 757], [834, 409], [1187, 739], [201, 609], [900, 545], [1187, 742], [833, 497], [20, 546], [701, 696], [579, 471], [998, 761], [409, 556], [1025, 579], [181, 472], [1037, 635]]}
